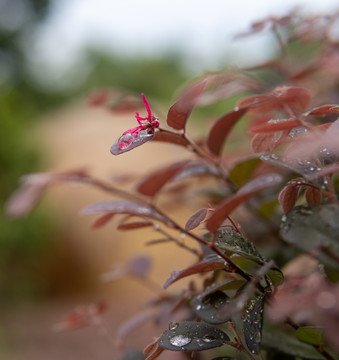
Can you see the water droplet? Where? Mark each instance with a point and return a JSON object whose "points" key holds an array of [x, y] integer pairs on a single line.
{"points": [[275, 157], [125, 141], [180, 340], [208, 339], [253, 352], [173, 325], [198, 307], [236, 108]]}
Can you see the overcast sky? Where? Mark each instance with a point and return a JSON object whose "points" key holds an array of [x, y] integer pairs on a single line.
{"points": [[202, 28]]}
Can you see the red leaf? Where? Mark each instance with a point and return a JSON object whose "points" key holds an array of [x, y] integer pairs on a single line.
{"points": [[263, 142], [154, 182], [180, 111], [169, 137], [295, 98], [123, 207], [221, 129], [102, 221], [196, 219], [288, 197], [274, 126], [210, 263], [313, 196], [258, 184], [134, 225], [324, 110]]}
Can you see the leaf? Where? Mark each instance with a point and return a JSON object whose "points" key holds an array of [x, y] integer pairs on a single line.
{"points": [[253, 322], [288, 344], [324, 110], [236, 304], [275, 126], [180, 111], [258, 184], [288, 197], [242, 171], [222, 128], [194, 169], [209, 263], [206, 305], [312, 228], [196, 219], [192, 336], [294, 98], [123, 207], [102, 220], [139, 266], [263, 142], [310, 335], [135, 225], [127, 142], [154, 182], [313, 196], [169, 137], [231, 242]]}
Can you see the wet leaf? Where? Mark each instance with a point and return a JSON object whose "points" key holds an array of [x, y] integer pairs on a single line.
{"points": [[312, 228], [206, 305], [123, 207], [258, 184], [221, 129], [127, 142], [237, 303], [195, 219], [169, 137], [242, 171], [275, 126], [230, 242], [253, 322], [294, 98], [324, 110], [192, 336], [288, 197], [180, 111], [194, 169], [154, 182], [209, 263], [310, 335], [263, 142]]}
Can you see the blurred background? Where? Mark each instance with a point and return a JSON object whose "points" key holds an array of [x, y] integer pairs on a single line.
{"points": [[53, 54]]}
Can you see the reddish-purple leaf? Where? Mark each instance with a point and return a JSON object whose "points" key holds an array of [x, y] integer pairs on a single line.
{"points": [[221, 129], [154, 182], [274, 126], [285, 98], [102, 220], [324, 110], [180, 111], [288, 197], [196, 219], [135, 225], [169, 137], [209, 263], [313, 196], [258, 184], [194, 169], [123, 207], [263, 142]]}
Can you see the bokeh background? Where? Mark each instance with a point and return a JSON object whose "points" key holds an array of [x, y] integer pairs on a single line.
{"points": [[53, 54]]}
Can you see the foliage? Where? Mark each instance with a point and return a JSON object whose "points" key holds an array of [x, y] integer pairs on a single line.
{"points": [[292, 127]]}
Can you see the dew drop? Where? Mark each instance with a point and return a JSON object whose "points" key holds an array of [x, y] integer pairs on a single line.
{"points": [[173, 325], [180, 340], [208, 339], [125, 141], [198, 307]]}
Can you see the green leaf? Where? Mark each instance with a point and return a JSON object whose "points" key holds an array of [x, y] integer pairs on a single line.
{"points": [[314, 228], [310, 335], [289, 344], [241, 172]]}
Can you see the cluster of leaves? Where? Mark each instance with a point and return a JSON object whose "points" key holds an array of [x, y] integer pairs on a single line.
{"points": [[292, 127]]}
